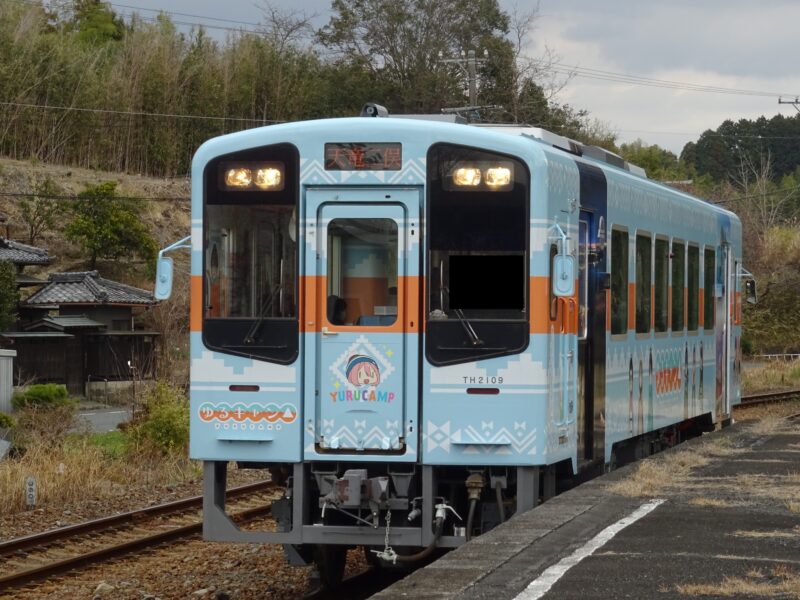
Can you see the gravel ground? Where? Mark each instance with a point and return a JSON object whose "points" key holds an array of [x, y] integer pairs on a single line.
{"points": [[128, 498], [193, 569]]}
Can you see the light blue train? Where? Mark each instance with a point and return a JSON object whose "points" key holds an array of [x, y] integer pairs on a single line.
{"points": [[420, 327]]}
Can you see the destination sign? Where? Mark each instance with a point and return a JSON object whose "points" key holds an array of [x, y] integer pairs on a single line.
{"points": [[364, 156]]}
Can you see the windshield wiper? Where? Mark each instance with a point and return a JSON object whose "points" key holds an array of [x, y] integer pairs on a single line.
{"points": [[250, 337], [470, 331]]}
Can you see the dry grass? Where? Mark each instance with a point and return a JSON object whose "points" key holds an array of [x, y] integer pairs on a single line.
{"points": [[771, 376], [709, 502], [69, 467], [793, 506], [658, 473], [790, 534], [780, 581], [767, 425]]}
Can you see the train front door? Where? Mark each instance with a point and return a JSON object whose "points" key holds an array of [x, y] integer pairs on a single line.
{"points": [[591, 314], [361, 348]]}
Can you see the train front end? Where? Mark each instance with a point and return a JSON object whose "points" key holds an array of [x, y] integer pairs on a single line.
{"points": [[373, 321]]}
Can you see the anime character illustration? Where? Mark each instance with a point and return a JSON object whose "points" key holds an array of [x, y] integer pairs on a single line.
{"points": [[362, 370]]}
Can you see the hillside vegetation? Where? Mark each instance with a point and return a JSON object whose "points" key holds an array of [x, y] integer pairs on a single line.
{"points": [[115, 99]]}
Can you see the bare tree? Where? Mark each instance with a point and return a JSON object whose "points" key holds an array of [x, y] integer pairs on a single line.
{"points": [[286, 28]]}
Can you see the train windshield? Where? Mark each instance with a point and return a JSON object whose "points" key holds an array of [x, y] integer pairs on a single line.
{"points": [[477, 254], [250, 260]]}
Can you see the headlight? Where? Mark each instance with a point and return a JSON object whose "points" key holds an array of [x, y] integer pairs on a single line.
{"points": [[268, 178], [467, 176], [498, 176], [482, 176], [238, 177], [252, 176]]}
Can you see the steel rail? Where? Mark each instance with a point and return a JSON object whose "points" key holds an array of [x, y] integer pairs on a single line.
{"points": [[119, 520], [96, 556], [755, 399]]}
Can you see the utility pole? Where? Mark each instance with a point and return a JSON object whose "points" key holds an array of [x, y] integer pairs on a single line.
{"points": [[468, 63], [795, 102]]}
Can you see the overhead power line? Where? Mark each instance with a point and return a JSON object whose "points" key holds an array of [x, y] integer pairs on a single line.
{"points": [[603, 75], [136, 112]]}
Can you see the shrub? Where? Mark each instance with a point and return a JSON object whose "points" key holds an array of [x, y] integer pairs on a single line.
{"points": [[164, 426], [42, 395], [6, 422], [44, 424]]}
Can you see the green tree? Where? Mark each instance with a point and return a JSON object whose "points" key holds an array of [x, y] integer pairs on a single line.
{"points": [[96, 22], [658, 162], [39, 212], [109, 227], [400, 43], [8, 295]]}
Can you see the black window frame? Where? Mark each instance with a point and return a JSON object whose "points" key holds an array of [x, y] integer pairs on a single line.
{"points": [[709, 284], [618, 299], [661, 296], [279, 337], [643, 310], [682, 295], [446, 342], [692, 288]]}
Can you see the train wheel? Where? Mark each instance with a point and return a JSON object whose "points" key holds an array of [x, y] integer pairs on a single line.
{"points": [[330, 561]]}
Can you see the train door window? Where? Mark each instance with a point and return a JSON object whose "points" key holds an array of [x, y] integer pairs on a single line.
{"points": [[478, 273], [693, 288], [619, 281], [583, 277], [644, 255], [661, 300], [678, 282], [708, 287], [362, 272]]}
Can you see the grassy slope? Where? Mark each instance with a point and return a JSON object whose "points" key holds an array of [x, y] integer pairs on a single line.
{"points": [[166, 220]]}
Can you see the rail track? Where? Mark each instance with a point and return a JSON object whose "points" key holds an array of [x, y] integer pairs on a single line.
{"points": [[756, 399], [31, 558]]}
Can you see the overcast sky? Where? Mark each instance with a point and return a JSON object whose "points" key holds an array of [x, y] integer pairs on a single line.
{"points": [[734, 44]]}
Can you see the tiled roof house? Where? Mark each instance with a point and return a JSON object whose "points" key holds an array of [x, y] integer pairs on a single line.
{"points": [[87, 287]]}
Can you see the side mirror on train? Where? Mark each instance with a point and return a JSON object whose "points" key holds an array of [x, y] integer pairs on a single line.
{"points": [[164, 271], [750, 291], [563, 275]]}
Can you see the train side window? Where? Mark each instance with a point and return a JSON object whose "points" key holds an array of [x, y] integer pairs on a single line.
{"points": [[693, 288], [661, 285], [644, 254], [619, 281], [678, 277], [708, 288]]}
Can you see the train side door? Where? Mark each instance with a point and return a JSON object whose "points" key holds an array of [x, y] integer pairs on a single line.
{"points": [[592, 314], [725, 284], [360, 350]]}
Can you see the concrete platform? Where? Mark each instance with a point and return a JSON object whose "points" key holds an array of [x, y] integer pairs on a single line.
{"points": [[727, 526]]}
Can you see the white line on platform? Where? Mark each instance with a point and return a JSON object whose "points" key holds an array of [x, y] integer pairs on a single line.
{"points": [[542, 584]]}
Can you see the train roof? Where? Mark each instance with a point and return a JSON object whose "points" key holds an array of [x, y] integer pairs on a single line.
{"points": [[499, 137]]}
